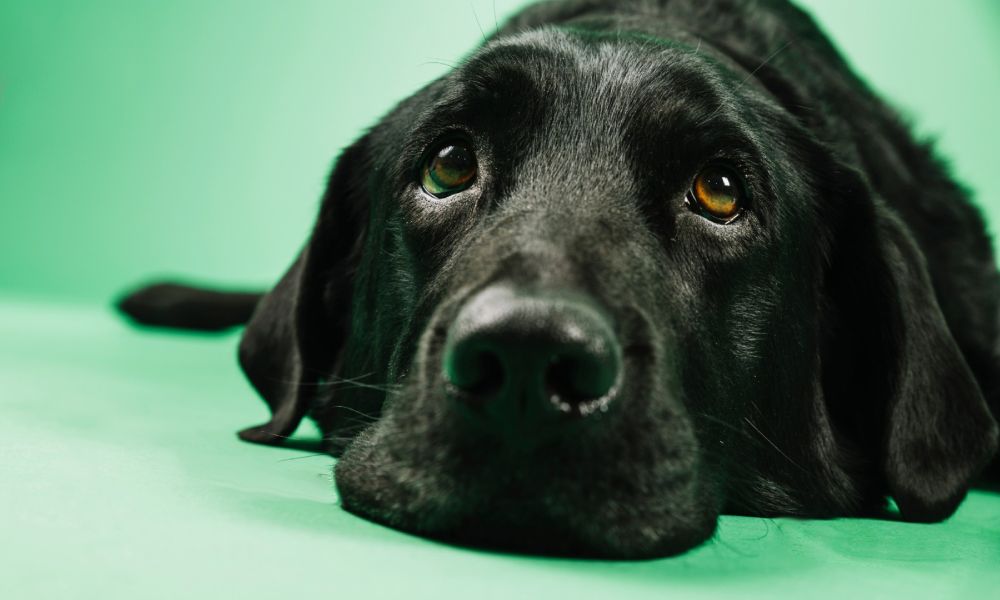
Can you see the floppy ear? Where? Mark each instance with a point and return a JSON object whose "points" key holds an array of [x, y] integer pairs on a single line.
{"points": [[913, 400], [939, 431], [897, 383], [298, 329]]}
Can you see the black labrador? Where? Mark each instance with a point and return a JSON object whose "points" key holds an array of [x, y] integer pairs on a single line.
{"points": [[632, 264]]}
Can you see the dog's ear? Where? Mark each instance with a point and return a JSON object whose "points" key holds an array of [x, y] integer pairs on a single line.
{"points": [[904, 390], [300, 326]]}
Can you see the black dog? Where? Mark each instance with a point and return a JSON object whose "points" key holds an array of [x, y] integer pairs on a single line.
{"points": [[632, 264]]}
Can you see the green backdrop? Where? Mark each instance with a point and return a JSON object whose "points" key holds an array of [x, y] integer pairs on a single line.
{"points": [[142, 138]]}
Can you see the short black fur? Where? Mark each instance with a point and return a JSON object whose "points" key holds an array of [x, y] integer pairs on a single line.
{"points": [[833, 346]]}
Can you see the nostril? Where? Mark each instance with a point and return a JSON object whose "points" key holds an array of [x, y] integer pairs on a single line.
{"points": [[476, 370], [573, 381]]}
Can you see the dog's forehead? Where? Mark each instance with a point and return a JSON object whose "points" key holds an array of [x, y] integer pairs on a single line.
{"points": [[592, 102], [613, 74]]}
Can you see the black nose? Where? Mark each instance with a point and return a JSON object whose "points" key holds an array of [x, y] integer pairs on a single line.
{"points": [[518, 358]]}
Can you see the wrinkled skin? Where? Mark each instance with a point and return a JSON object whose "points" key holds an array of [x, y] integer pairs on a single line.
{"points": [[827, 349]]}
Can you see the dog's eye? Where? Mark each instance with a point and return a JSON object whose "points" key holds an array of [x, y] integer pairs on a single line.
{"points": [[450, 169], [717, 194]]}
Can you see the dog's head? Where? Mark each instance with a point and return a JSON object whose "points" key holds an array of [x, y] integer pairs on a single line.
{"points": [[585, 292]]}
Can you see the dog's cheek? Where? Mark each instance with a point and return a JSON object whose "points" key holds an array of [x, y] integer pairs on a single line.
{"points": [[407, 469], [389, 476], [723, 350]]}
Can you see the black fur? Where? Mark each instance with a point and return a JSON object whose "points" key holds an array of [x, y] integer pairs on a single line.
{"points": [[830, 348], [187, 307]]}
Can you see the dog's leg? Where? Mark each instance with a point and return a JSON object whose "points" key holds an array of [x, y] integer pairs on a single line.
{"points": [[181, 306]]}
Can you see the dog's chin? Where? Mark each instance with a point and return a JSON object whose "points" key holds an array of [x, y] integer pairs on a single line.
{"points": [[551, 505], [526, 529]]}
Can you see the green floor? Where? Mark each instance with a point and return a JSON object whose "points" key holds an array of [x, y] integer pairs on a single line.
{"points": [[146, 138], [122, 478]]}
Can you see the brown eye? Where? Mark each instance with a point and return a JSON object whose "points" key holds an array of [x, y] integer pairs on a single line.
{"points": [[450, 169], [717, 194]]}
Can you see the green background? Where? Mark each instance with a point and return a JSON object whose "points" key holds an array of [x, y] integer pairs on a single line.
{"points": [[146, 138], [191, 137]]}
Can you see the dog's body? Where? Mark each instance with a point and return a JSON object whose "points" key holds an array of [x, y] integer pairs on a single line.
{"points": [[575, 351]]}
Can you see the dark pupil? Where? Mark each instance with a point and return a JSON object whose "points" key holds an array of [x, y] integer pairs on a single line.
{"points": [[720, 183], [453, 165]]}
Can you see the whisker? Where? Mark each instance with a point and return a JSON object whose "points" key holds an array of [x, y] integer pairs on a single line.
{"points": [[698, 47], [729, 426], [333, 381], [371, 418], [773, 445], [279, 436], [763, 63], [478, 24], [306, 456], [769, 58], [356, 382], [436, 61]]}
